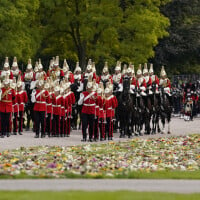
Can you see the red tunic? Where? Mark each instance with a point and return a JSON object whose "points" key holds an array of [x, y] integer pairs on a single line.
{"points": [[97, 106], [56, 104], [41, 97], [6, 101], [110, 105], [101, 108], [143, 84], [22, 99], [89, 102], [49, 102]]}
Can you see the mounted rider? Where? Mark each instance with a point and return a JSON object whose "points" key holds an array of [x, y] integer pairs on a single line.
{"points": [[165, 84], [105, 77], [141, 82]]}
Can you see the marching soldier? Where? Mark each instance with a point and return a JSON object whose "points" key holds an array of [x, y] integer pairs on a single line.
{"points": [[110, 105], [102, 114], [39, 97], [88, 100], [22, 99], [7, 95], [56, 104], [67, 103], [49, 111]]}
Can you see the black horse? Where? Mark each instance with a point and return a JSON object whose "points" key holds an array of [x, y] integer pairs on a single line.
{"points": [[29, 105], [125, 109], [155, 110], [166, 110]]}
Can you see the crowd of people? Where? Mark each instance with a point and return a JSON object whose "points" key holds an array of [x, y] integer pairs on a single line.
{"points": [[48, 98]]}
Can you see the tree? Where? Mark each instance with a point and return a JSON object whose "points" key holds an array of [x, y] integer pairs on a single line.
{"points": [[180, 51], [20, 33], [102, 29]]}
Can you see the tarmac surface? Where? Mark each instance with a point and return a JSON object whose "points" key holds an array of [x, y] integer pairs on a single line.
{"points": [[177, 127]]}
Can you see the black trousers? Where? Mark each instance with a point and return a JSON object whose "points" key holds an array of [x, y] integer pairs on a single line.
{"points": [[109, 127], [96, 128], [87, 119], [5, 122], [48, 123], [18, 126], [102, 128], [56, 125], [39, 120], [15, 124]]}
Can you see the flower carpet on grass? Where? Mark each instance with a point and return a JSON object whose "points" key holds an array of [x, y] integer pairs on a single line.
{"points": [[113, 159]]}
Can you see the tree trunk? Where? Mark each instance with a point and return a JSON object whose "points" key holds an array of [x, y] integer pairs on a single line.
{"points": [[82, 56]]}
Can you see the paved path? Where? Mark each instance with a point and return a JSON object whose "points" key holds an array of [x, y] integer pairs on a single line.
{"points": [[174, 186], [178, 127]]}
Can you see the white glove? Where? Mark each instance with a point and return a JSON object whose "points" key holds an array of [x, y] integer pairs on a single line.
{"points": [[33, 83], [80, 88], [80, 101], [33, 99], [120, 88], [142, 88]]}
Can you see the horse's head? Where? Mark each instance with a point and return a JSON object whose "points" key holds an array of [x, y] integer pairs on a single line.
{"points": [[153, 87], [85, 83], [126, 84]]}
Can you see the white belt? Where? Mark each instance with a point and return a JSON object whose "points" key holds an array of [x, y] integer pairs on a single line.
{"points": [[56, 105], [89, 104], [49, 104], [40, 102], [96, 106], [15, 104], [100, 108], [109, 108]]}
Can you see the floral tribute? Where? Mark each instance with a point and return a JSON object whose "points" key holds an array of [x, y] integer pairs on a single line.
{"points": [[107, 160]]}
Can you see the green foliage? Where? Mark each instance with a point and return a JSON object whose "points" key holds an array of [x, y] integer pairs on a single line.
{"points": [[180, 51], [19, 35], [103, 30], [119, 195]]}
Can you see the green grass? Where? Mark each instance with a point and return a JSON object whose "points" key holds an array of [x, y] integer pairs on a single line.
{"points": [[120, 195], [195, 175]]}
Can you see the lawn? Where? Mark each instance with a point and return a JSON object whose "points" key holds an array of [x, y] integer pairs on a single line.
{"points": [[121, 195], [174, 157]]}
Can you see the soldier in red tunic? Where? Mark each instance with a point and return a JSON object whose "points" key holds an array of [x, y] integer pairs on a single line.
{"points": [[22, 99], [7, 95], [88, 100], [102, 114], [49, 110], [56, 104], [110, 105], [40, 97], [67, 103]]}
